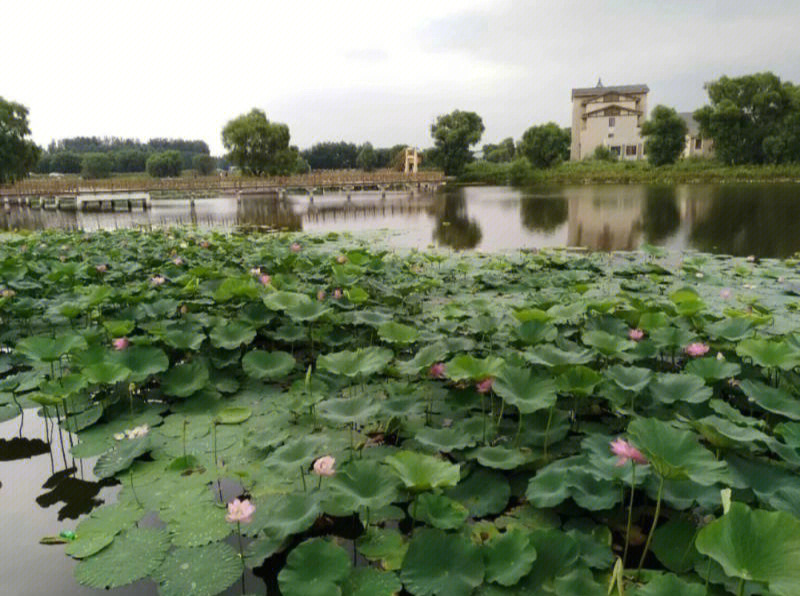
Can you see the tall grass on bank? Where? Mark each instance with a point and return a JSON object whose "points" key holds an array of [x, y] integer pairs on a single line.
{"points": [[520, 172]]}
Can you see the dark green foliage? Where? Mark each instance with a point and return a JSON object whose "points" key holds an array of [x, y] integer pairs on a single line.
{"points": [[258, 146], [366, 158], [204, 165], [65, 162], [332, 156], [751, 119], [545, 145], [603, 153], [665, 134], [18, 154], [500, 153], [96, 165], [453, 135], [166, 163]]}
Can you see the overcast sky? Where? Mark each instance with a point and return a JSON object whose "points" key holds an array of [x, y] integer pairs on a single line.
{"points": [[370, 70]]}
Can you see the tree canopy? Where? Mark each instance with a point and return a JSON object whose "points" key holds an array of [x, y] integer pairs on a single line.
{"points": [[165, 163], [665, 136], [366, 159], [18, 154], [545, 145], [453, 134], [748, 118], [504, 151], [259, 146], [96, 165]]}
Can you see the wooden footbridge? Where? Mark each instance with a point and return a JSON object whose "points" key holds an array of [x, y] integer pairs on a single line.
{"points": [[132, 193]]}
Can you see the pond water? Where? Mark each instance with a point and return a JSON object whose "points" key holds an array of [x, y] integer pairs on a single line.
{"points": [[737, 219]]}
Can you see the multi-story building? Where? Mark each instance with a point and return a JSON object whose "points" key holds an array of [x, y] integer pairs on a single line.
{"points": [[611, 117]]}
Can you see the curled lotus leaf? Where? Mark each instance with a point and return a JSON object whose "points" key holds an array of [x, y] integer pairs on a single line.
{"points": [[185, 379], [468, 368], [229, 335], [770, 353], [509, 557], [439, 511], [669, 388], [363, 484], [267, 365], [397, 333], [525, 390], [420, 472], [362, 362]]}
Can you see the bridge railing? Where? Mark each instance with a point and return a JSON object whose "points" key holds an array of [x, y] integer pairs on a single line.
{"points": [[41, 186]]}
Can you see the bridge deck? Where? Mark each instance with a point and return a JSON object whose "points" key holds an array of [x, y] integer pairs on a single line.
{"points": [[223, 184]]}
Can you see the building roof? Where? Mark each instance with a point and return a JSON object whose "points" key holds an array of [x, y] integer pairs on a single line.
{"points": [[602, 90], [692, 126]]}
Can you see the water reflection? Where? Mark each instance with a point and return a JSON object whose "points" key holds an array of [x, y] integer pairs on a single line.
{"points": [[740, 219], [77, 495]]}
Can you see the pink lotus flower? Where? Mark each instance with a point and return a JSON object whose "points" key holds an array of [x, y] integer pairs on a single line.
{"points": [[696, 349], [240, 511], [626, 452], [321, 295], [157, 280], [635, 334], [341, 259], [337, 294], [295, 247], [436, 371], [324, 466], [725, 293], [101, 268], [265, 279], [484, 386], [120, 343]]}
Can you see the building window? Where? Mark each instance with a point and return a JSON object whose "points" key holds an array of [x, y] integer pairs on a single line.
{"points": [[611, 122], [615, 149], [698, 143], [630, 150], [611, 135]]}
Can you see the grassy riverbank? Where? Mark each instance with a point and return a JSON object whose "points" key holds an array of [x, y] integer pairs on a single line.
{"points": [[594, 172]]}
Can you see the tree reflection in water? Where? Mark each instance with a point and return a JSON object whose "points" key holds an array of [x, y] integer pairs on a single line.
{"points": [[662, 214], [543, 214], [453, 227]]}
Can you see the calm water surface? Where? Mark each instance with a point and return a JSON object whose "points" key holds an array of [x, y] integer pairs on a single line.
{"points": [[44, 491], [738, 219]]}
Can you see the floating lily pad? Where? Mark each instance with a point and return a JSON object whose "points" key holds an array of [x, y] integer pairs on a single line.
{"points": [[441, 563], [267, 365], [233, 415], [185, 379], [397, 333], [316, 567], [509, 557], [133, 555], [200, 571], [368, 581]]}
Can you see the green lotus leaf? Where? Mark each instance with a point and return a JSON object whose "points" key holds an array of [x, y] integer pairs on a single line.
{"points": [[550, 355], [315, 567], [256, 314], [578, 380], [420, 472], [307, 311], [229, 335], [348, 409], [532, 314], [483, 492], [185, 379], [536, 332], [468, 368], [121, 456], [386, 545], [132, 556], [49, 349], [556, 554], [723, 433], [356, 295], [284, 300], [424, 359], [198, 525], [607, 344], [439, 511], [440, 563], [261, 549], [97, 531], [571, 477], [370, 317], [200, 571], [669, 585], [630, 378], [119, 328], [509, 557], [296, 453], [233, 415], [87, 544], [267, 365], [673, 545], [594, 546], [290, 333], [671, 338], [368, 581], [579, 581], [756, 545], [188, 338], [499, 458], [363, 483], [283, 515], [143, 361], [735, 329], [711, 369], [106, 372], [397, 333], [444, 439], [772, 399], [64, 387], [356, 363], [521, 388], [770, 353], [675, 454], [241, 287], [668, 388]]}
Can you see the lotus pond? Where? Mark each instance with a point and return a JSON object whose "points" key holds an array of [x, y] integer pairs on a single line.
{"points": [[412, 423]]}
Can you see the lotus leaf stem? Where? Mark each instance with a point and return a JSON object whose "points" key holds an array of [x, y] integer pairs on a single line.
{"points": [[630, 514], [303, 476], [547, 430], [653, 527]]}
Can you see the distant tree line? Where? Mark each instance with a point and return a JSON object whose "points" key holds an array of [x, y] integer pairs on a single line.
{"points": [[104, 155], [341, 155]]}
